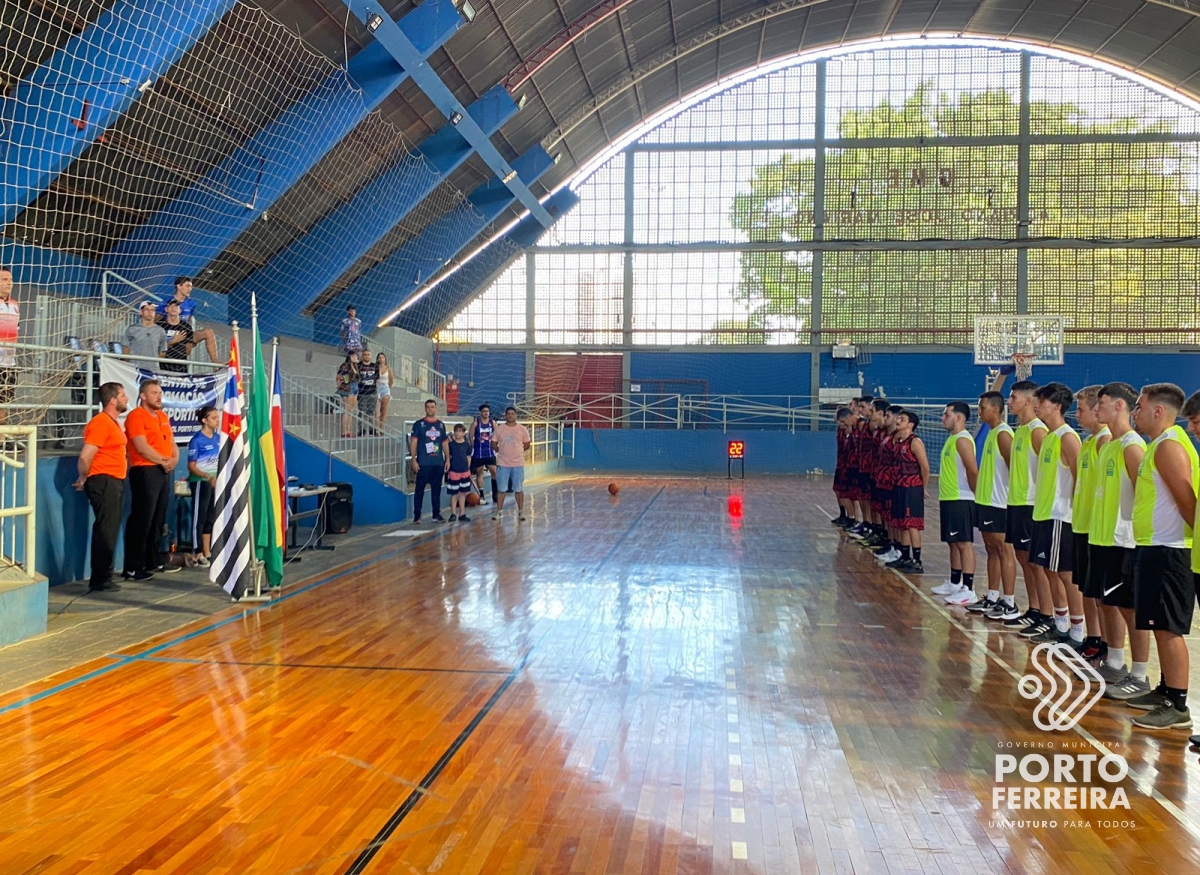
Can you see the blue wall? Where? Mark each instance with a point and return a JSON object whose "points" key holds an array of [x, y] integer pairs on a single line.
{"points": [[64, 521], [64, 518], [375, 503], [699, 452]]}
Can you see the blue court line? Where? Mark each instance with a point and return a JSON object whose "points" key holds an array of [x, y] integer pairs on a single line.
{"points": [[128, 660]]}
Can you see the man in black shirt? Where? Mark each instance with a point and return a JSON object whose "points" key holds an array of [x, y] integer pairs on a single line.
{"points": [[368, 379], [179, 339]]}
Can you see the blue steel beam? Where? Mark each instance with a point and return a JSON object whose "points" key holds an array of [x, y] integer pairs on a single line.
{"points": [[198, 225], [406, 54], [298, 274], [434, 310], [426, 254], [44, 120]]}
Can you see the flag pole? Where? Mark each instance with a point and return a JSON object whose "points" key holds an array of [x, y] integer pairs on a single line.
{"points": [[255, 563]]}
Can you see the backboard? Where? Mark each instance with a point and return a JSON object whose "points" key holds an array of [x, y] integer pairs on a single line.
{"points": [[998, 337]]}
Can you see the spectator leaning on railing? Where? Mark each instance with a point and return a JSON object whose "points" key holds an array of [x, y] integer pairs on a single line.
{"points": [[10, 315]]}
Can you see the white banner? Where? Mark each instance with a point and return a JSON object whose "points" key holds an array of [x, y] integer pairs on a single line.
{"points": [[183, 394]]}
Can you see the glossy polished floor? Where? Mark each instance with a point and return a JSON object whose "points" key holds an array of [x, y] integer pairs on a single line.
{"points": [[690, 677]]}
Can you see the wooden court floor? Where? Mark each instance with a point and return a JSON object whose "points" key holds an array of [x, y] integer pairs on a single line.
{"points": [[691, 677]]}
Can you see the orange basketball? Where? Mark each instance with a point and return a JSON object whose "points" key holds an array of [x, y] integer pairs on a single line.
{"points": [[613, 489], [472, 499]]}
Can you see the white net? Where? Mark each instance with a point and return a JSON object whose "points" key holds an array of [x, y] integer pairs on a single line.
{"points": [[206, 140]]}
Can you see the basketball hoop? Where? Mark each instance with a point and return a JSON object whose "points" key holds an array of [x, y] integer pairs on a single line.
{"points": [[1024, 364]]}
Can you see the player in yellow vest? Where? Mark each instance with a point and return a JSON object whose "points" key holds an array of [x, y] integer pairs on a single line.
{"points": [[1191, 412], [1053, 544], [1094, 644], [1164, 510], [991, 509], [956, 496], [1022, 480], [1110, 538]]}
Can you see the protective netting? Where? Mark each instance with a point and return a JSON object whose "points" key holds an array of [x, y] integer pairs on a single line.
{"points": [[206, 139]]}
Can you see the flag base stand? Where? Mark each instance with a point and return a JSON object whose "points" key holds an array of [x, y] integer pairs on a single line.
{"points": [[256, 594]]}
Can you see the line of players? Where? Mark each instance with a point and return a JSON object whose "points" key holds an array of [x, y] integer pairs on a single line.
{"points": [[1101, 526]]}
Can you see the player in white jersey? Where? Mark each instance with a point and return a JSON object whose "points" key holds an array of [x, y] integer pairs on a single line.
{"points": [[1095, 647], [1164, 511], [1110, 538]]}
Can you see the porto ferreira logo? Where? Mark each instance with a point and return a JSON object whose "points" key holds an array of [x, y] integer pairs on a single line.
{"points": [[1065, 684]]}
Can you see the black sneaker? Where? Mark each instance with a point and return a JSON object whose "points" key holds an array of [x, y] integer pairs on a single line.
{"points": [[453, 517], [898, 564], [107, 586], [438, 519], [913, 567], [137, 575], [1041, 627], [168, 569], [464, 519], [1027, 619], [837, 521], [982, 606]]}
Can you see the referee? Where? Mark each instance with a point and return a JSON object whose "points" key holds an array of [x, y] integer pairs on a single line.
{"points": [[102, 469], [152, 458]]}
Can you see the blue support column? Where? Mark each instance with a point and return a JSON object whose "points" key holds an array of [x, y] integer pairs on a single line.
{"points": [[456, 291], [426, 254], [303, 270], [104, 66], [198, 225]]}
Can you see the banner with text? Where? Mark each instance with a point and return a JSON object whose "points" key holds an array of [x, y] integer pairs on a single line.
{"points": [[183, 394]]}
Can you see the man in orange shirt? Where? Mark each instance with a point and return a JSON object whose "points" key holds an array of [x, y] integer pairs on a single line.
{"points": [[102, 478], [152, 458]]}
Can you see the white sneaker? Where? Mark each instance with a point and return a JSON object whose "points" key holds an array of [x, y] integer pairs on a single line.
{"points": [[483, 502], [890, 556], [947, 588], [498, 515], [962, 598]]}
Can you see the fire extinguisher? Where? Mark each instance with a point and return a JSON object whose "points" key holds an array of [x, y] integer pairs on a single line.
{"points": [[451, 395]]}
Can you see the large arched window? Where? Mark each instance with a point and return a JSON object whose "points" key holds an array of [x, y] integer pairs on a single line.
{"points": [[953, 179]]}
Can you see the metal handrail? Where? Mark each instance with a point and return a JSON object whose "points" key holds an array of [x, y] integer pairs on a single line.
{"points": [[18, 499]]}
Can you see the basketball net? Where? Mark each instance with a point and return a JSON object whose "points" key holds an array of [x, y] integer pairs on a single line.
{"points": [[1024, 364]]}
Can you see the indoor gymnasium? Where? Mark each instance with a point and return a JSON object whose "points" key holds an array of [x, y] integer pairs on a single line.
{"points": [[598, 436]]}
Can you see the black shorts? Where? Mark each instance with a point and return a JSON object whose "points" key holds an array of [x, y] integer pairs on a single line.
{"points": [[1020, 526], [880, 499], [1110, 576], [8, 385], [908, 508], [958, 521], [1079, 561], [991, 519], [1053, 545], [484, 462], [1164, 589]]}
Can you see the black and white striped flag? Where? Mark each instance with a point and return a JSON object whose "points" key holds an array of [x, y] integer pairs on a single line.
{"points": [[232, 547]]}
